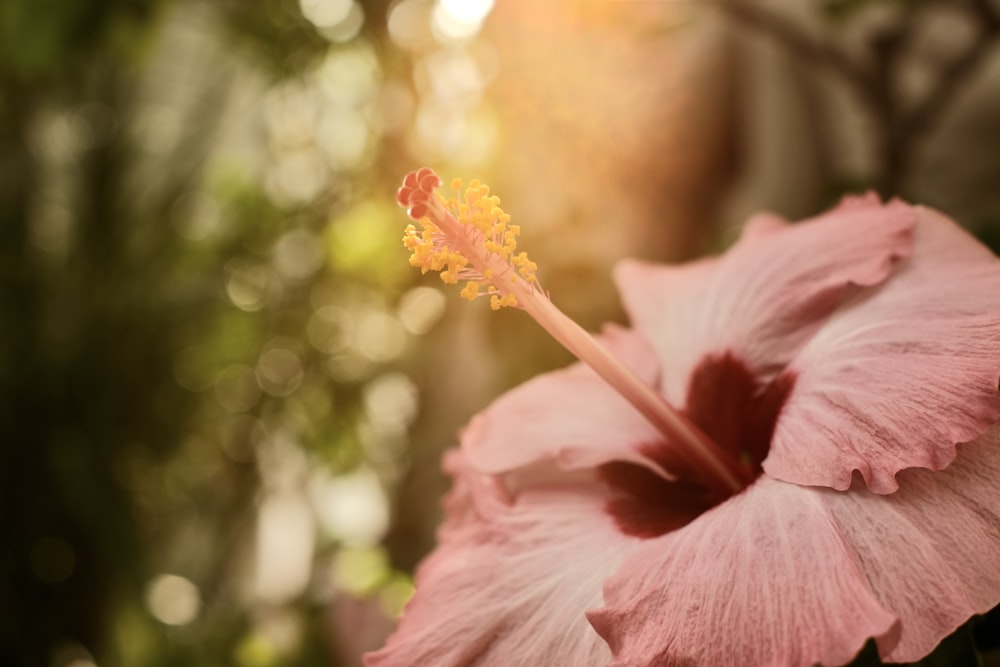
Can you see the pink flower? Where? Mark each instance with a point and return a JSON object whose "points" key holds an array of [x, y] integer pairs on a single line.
{"points": [[849, 363]]}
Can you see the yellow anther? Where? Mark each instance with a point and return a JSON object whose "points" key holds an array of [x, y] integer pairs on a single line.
{"points": [[470, 291], [497, 302], [468, 237]]}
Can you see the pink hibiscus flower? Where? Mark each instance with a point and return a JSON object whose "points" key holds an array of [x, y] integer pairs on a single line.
{"points": [[821, 467]]}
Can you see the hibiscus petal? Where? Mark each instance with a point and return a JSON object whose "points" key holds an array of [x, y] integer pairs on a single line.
{"points": [[931, 551], [511, 586], [902, 373], [762, 224], [571, 416], [764, 579], [763, 299]]}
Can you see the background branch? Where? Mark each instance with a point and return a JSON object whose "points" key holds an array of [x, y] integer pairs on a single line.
{"points": [[932, 107], [900, 129], [797, 41]]}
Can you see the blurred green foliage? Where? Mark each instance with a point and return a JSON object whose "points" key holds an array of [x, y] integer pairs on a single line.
{"points": [[124, 453], [41, 41]]}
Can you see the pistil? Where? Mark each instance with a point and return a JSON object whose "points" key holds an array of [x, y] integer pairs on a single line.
{"points": [[473, 240]]}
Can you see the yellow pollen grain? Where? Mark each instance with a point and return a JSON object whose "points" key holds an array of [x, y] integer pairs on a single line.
{"points": [[470, 291]]}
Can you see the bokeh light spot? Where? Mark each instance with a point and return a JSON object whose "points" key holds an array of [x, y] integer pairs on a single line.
{"points": [[360, 571], [347, 29], [458, 20], [352, 508], [345, 139], [279, 371], [236, 388], [284, 628], [256, 650], [466, 138], [349, 76], [453, 77], [325, 13], [172, 599], [365, 240], [250, 286], [467, 11], [285, 542], [390, 402], [380, 336], [60, 136], [291, 110], [72, 654], [409, 24], [298, 254], [297, 177], [421, 308]]}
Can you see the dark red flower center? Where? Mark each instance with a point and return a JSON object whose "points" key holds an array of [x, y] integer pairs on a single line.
{"points": [[732, 407]]}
